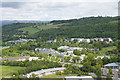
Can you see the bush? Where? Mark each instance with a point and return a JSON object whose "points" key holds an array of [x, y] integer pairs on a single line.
{"points": [[16, 74], [108, 77], [79, 75], [58, 73]]}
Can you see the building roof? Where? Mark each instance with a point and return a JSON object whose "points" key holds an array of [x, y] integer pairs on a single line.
{"points": [[78, 77], [46, 70], [113, 64], [15, 58]]}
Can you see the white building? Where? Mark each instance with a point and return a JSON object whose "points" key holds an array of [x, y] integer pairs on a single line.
{"points": [[114, 66], [82, 56], [64, 47], [103, 39], [94, 39], [81, 39], [33, 58], [22, 40], [45, 72], [70, 49], [79, 78], [48, 51], [102, 57], [50, 41]]}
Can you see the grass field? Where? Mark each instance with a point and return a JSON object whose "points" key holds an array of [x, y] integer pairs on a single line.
{"points": [[8, 70], [29, 29], [32, 30], [56, 76], [104, 50], [47, 26]]}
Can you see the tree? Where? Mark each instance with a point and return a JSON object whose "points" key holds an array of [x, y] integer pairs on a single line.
{"points": [[99, 61], [61, 50], [108, 77], [85, 59], [74, 41], [50, 54], [33, 75], [91, 58], [41, 55], [58, 73], [97, 45], [15, 74], [105, 60], [91, 42], [32, 54], [62, 59], [67, 58], [84, 51], [58, 55], [77, 58], [87, 66], [76, 52], [110, 70], [27, 52], [53, 58], [98, 71]]}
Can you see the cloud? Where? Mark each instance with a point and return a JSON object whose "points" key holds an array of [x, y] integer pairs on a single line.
{"points": [[12, 4], [51, 10], [60, 0]]}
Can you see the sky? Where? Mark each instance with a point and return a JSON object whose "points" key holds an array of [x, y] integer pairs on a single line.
{"points": [[47, 10]]}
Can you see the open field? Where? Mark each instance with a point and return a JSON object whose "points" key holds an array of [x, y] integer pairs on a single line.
{"points": [[8, 70], [56, 76], [104, 50], [47, 26], [32, 30], [29, 29]]}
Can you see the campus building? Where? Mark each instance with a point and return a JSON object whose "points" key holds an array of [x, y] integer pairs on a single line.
{"points": [[45, 72], [114, 66], [78, 78]]}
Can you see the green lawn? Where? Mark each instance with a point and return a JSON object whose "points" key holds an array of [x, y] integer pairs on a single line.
{"points": [[30, 30], [8, 70], [56, 76], [107, 49], [47, 26]]}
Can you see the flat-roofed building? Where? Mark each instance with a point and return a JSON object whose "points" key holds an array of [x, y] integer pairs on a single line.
{"points": [[22, 58], [78, 78], [112, 65], [48, 51], [45, 72], [34, 58]]}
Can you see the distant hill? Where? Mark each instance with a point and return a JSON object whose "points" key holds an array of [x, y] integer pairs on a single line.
{"points": [[88, 27], [5, 22]]}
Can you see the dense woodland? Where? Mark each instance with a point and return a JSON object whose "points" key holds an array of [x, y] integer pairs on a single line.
{"points": [[89, 27]]}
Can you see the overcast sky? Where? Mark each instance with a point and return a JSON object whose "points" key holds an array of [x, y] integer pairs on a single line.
{"points": [[46, 10]]}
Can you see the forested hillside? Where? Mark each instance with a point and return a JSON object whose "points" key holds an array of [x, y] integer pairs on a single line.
{"points": [[84, 28], [88, 27]]}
